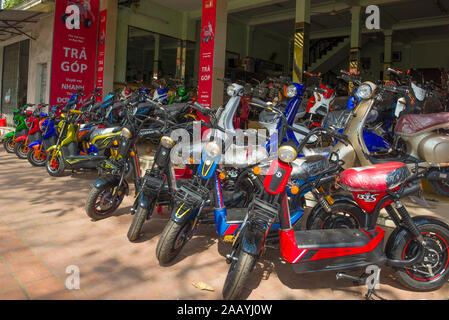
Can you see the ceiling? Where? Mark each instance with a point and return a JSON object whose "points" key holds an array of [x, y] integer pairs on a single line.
{"points": [[327, 15], [391, 14]]}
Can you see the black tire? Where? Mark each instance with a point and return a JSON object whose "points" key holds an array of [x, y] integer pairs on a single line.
{"points": [[440, 186], [55, 171], [172, 240], [18, 150], [99, 196], [344, 215], [31, 156], [238, 273], [436, 250], [8, 144], [137, 224]]}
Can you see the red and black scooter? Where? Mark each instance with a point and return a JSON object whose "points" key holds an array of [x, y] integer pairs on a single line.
{"points": [[34, 133], [417, 249]]}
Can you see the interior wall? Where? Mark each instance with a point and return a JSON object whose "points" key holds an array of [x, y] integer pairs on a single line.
{"points": [[151, 17], [416, 55], [40, 52]]}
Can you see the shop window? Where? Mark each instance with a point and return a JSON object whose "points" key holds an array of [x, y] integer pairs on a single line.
{"points": [[152, 55], [41, 83], [15, 76]]}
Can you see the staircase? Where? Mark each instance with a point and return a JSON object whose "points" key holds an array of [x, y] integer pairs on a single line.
{"points": [[334, 54]]}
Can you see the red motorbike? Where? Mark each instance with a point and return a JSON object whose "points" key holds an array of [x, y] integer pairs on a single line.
{"points": [[417, 249], [34, 133]]}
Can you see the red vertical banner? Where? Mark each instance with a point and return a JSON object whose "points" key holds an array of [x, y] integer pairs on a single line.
{"points": [[101, 50], [74, 48], [206, 64]]}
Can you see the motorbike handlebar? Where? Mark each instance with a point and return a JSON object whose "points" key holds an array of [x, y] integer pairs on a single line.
{"points": [[339, 136], [312, 75]]}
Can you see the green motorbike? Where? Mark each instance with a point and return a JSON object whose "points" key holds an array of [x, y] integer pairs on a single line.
{"points": [[20, 115], [182, 95]]}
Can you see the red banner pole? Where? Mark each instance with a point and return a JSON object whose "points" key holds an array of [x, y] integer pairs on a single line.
{"points": [[206, 64], [74, 49]]}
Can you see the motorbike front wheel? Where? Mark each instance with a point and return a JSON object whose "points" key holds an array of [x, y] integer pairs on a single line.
{"points": [[136, 225], [100, 202], [31, 156], [8, 144], [21, 150], [238, 273], [56, 167], [172, 240]]}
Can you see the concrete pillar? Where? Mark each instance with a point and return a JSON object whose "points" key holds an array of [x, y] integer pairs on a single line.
{"points": [[156, 56], [301, 40], [249, 40], [219, 52], [111, 31], [197, 50], [387, 52], [213, 54], [356, 39], [121, 49]]}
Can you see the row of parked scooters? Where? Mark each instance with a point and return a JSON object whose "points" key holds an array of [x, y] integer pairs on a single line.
{"points": [[354, 155]]}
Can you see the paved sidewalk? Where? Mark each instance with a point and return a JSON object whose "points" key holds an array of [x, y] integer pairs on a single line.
{"points": [[44, 229]]}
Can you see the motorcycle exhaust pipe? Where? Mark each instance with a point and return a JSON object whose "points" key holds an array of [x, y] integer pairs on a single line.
{"points": [[411, 189], [437, 175]]}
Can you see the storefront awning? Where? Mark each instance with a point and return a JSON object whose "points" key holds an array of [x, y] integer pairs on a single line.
{"points": [[13, 22]]}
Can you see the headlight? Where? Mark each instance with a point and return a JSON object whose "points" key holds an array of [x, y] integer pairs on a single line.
{"points": [[167, 142], [231, 91], [291, 91], [126, 133], [287, 153], [364, 91], [213, 150]]}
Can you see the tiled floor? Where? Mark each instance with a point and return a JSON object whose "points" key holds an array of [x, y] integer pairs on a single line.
{"points": [[44, 230]]}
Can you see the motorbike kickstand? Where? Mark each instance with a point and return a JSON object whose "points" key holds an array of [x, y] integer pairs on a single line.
{"points": [[359, 281], [372, 292]]}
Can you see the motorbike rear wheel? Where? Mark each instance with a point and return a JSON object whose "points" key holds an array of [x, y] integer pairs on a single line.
{"points": [[31, 156], [172, 240], [433, 272], [344, 215], [441, 187], [238, 273], [8, 144], [99, 202], [21, 150]]}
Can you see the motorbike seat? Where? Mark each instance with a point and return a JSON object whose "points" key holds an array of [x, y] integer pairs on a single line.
{"points": [[412, 124], [376, 178], [244, 156], [310, 166], [173, 109], [268, 117]]}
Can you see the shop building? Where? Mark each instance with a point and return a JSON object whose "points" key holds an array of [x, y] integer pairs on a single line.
{"points": [[253, 38]]}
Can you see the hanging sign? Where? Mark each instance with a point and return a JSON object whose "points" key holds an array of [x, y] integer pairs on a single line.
{"points": [[74, 48], [207, 53], [101, 51]]}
